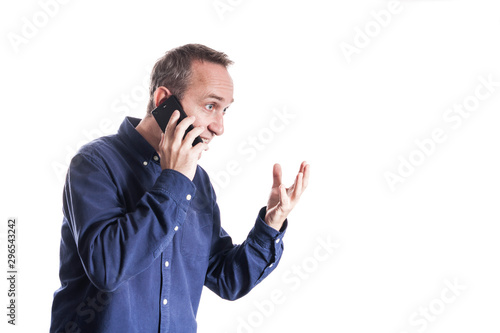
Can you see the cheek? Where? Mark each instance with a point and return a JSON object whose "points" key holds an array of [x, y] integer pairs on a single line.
{"points": [[193, 110], [201, 119]]}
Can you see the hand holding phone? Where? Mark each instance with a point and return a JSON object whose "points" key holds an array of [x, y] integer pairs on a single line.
{"points": [[164, 111], [180, 146]]}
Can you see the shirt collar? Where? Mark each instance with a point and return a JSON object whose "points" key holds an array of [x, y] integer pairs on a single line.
{"points": [[133, 139]]}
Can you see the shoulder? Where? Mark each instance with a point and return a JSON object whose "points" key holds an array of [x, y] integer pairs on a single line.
{"points": [[101, 148], [96, 153], [201, 173], [202, 182]]}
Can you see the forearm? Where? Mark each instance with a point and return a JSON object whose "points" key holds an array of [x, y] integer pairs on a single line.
{"points": [[236, 269]]}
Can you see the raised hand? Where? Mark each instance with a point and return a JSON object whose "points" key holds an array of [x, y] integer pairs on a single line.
{"points": [[282, 200]]}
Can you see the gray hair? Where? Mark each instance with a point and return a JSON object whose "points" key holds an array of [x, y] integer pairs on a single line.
{"points": [[173, 70]]}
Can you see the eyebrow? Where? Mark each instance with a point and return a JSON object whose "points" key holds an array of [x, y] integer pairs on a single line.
{"points": [[220, 99]]}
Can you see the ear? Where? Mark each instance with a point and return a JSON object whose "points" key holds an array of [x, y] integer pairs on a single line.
{"points": [[161, 94]]}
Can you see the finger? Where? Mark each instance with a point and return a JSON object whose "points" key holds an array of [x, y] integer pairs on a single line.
{"points": [[162, 140], [307, 172], [302, 166], [284, 199], [198, 148], [192, 134], [182, 127], [292, 188], [277, 175], [298, 186], [163, 147], [172, 122]]}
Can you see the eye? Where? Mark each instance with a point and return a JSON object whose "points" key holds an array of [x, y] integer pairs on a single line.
{"points": [[225, 110], [209, 107]]}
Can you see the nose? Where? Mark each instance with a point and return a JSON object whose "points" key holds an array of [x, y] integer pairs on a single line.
{"points": [[217, 124]]}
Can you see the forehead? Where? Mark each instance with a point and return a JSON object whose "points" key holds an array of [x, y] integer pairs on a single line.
{"points": [[209, 78]]}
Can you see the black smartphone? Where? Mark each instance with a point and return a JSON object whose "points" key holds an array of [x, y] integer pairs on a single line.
{"points": [[164, 111]]}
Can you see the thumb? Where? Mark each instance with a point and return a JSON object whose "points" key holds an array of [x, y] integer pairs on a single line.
{"points": [[284, 200]]}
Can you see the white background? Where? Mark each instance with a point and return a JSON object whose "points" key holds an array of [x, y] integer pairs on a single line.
{"points": [[352, 121]]}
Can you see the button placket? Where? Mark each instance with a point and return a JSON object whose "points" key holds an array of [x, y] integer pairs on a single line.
{"points": [[165, 293]]}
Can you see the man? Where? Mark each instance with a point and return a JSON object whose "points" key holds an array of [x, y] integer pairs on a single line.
{"points": [[141, 233]]}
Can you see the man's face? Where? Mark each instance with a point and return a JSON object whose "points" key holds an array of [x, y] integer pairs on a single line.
{"points": [[208, 96]]}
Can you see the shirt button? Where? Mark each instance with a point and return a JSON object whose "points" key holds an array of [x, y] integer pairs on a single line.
{"points": [[165, 301], [155, 158], [271, 265], [167, 264], [277, 241], [176, 228], [145, 162], [188, 197]]}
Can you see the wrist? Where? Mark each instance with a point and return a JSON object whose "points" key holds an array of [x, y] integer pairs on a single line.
{"points": [[274, 221], [265, 222]]}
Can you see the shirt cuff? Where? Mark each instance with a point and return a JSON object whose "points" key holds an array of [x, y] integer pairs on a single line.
{"points": [[266, 236], [177, 186]]}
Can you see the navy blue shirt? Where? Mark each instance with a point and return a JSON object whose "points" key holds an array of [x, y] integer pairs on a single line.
{"points": [[138, 243]]}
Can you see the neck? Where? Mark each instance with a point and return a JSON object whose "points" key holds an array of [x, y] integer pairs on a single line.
{"points": [[150, 131]]}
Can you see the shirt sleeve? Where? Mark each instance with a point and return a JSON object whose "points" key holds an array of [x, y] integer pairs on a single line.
{"points": [[235, 269], [114, 245]]}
